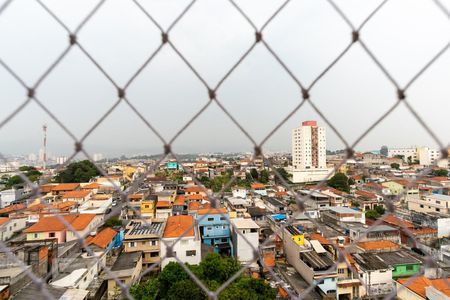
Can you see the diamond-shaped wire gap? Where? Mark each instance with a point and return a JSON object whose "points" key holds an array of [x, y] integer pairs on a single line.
{"points": [[307, 36], [402, 40], [77, 80], [71, 12], [259, 93], [344, 89], [357, 11], [121, 46], [429, 94], [25, 26], [259, 11], [13, 94], [212, 50], [397, 130], [164, 12], [119, 124], [166, 93], [212, 132], [27, 126]]}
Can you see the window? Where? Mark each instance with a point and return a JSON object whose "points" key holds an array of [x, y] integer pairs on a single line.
{"points": [[438, 209], [51, 234], [154, 254], [153, 243], [410, 268], [191, 253], [210, 219], [209, 228], [421, 205], [222, 218], [36, 235], [131, 244]]}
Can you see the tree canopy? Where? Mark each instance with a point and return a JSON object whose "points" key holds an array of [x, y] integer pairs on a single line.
{"points": [[174, 283], [81, 171], [340, 182], [30, 172], [395, 166], [439, 173]]}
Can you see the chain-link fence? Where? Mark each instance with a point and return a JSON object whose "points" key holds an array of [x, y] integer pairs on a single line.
{"points": [[304, 95]]}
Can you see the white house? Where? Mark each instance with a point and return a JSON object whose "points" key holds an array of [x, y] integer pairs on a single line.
{"points": [[188, 248], [243, 247], [9, 196], [8, 226]]}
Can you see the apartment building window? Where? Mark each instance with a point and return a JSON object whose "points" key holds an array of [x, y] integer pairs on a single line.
{"points": [[341, 271], [36, 235], [438, 209], [143, 243], [438, 202], [153, 243], [222, 218], [51, 234], [421, 205], [154, 254], [191, 253], [131, 244], [210, 219]]}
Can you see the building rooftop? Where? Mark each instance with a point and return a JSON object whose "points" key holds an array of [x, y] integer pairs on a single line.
{"points": [[179, 226], [126, 261], [76, 194], [317, 261], [275, 202], [66, 187], [419, 284], [242, 223], [383, 260], [102, 239], [54, 223], [139, 229], [343, 210], [378, 245]]}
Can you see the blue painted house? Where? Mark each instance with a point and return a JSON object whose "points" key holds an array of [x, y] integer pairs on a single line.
{"points": [[215, 231]]}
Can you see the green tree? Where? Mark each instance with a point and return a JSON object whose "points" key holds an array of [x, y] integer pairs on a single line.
{"points": [[145, 290], [439, 173], [81, 171], [248, 288], [113, 221], [30, 172], [395, 166], [284, 174], [264, 176], [185, 289], [254, 174], [339, 181], [372, 214]]}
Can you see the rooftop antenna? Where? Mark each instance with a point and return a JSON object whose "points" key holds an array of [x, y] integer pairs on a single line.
{"points": [[44, 158]]}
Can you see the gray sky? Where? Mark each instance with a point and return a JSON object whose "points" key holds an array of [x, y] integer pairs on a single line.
{"points": [[307, 35]]}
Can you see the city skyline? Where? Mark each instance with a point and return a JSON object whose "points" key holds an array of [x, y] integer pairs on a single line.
{"points": [[258, 94]]}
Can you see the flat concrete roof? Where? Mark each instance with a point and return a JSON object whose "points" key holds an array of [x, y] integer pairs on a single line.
{"points": [[242, 223]]}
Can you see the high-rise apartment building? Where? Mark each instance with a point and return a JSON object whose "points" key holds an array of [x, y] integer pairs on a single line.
{"points": [[309, 153]]}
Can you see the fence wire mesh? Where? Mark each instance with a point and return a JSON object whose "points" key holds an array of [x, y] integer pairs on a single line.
{"points": [[355, 37]]}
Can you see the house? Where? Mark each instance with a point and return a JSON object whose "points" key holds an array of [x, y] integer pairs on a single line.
{"points": [[182, 230], [163, 209], [214, 227], [367, 200], [9, 226], [147, 207], [103, 240], [375, 274], [429, 203], [238, 205], [259, 188], [274, 205], [195, 190], [97, 204], [11, 195], [194, 207], [362, 233], [144, 237], [245, 236], [126, 269], [423, 288], [78, 196], [337, 215], [179, 206], [62, 188], [54, 227]]}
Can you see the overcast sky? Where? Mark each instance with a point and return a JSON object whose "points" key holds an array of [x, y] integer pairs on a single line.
{"points": [[307, 35]]}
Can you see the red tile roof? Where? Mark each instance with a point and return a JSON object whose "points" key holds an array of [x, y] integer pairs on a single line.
{"points": [[12, 208], [420, 283], [3, 220], [53, 223], [194, 189], [197, 205], [76, 194], [257, 185], [195, 197], [91, 186], [180, 200], [213, 211], [179, 225], [102, 239], [378, 245], [66, 187], [163, 204], [365, 194], [393, 220]]}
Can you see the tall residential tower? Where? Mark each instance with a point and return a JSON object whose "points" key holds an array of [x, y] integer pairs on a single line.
{"points": [[309, 157]]}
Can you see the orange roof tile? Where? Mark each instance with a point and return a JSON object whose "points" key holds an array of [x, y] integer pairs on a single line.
{"points": [[365, 194], [257, 185], [12, 208], [393, 220], [66, 187], [179, 225], [163, 204], [197, 205], [213, 211], [53, 223], [424, 230], [65, 204], [103, 238], [439, 179], [3, 220], [180, 200], [194, 189], [195, 197], [76, 194], [378, 245], [46, 188], [420, 283], [91, 186]]}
